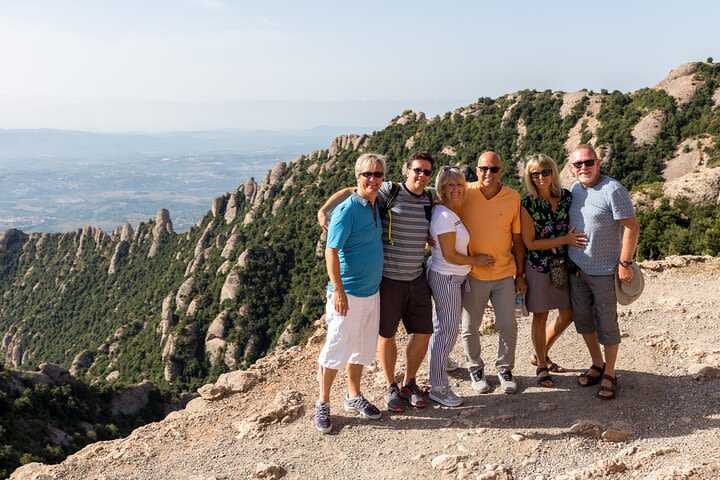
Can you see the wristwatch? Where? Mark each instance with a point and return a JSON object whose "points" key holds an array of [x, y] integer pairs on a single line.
{"points": [[626, 264]]}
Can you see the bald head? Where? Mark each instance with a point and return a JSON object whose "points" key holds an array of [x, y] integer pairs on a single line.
{"points": [[489, 157]]}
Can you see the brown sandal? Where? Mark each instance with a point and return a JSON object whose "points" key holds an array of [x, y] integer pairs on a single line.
{"points": [[554, 367], [612, 388], [592, 380], [542, 381]]}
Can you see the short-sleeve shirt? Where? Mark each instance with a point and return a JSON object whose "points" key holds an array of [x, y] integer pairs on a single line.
{"points": [[548, 224], [491, 224], [404, 243], [445, 220], [596, 210], [356, 231]]}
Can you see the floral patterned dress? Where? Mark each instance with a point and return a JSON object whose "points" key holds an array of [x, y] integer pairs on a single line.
{"points": [[548, 224]]}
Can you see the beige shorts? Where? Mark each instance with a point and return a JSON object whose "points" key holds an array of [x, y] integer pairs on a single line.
{"points": [[352, 338]]}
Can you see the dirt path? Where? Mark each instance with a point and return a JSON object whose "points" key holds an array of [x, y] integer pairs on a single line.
{"points": [[672, 421]]}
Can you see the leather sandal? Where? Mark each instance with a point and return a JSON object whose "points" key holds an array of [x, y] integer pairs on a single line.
{"points": [[554, 367], [592, 380], [612, 388], [542, 380]]}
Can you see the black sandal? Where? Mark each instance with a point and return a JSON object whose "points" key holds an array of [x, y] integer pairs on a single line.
{"points": [[554, 367], [546, 378], [592, 380], [612, 388]]}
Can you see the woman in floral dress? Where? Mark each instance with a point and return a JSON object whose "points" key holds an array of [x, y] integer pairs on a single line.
{"points": [[546, 234]]}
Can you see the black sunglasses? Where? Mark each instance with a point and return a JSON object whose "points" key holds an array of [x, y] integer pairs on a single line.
{"points": [[542, 173], [424, 171], [587, 163], [373, 174], [488, 169]]}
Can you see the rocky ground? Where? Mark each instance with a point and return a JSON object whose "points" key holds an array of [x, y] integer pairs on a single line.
{"points": [[665, 422]]}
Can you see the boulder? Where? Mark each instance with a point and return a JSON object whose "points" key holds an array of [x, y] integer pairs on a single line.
{"points": [[163, 228], [132, 400], [82, 362]]}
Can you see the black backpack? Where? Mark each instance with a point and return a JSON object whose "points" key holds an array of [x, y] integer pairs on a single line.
{"points": [[385, 209]]}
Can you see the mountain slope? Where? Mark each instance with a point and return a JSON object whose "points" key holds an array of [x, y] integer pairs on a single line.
{"points": [[664, 423], [180, 309]]}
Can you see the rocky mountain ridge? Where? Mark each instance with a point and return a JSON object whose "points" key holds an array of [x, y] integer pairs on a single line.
{"points": [[180, 309]]}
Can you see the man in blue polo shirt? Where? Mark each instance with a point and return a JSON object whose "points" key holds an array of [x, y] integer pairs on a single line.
{"points": [[354, 259]]}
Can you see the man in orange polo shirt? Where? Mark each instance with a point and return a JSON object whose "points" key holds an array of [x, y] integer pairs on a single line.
{"points": [[491, 213]]}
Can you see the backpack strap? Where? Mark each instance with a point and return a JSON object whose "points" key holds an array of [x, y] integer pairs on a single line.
{"points": [[385, 209]]}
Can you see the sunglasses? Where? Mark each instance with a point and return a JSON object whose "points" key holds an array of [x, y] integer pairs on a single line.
{"points": [[542, 173], [373, 174], [485, 169], [424, 171], [587, 163]]}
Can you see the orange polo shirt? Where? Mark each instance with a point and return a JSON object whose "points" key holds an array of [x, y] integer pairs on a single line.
{"points": [[491, 224]]}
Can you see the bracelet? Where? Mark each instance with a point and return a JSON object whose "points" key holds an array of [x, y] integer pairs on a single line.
{"points": [[625, 264], [519, 275]]}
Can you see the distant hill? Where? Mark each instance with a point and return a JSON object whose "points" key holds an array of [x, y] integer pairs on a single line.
{"points": [[145, 302]]}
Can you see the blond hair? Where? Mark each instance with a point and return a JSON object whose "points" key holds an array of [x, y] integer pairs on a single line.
{"points": [[368, 160], [448, 173], [544, 162]]}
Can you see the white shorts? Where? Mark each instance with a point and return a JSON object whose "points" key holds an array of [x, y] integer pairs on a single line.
{"points": [[352, 338]]}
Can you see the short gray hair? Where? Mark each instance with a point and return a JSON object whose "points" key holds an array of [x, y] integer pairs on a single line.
{"points": [[368, 160]]}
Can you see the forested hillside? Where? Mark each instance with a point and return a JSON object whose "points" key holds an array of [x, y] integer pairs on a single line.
{"points": [[145, 302]]}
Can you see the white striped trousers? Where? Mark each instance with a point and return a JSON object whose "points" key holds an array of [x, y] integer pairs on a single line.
{"points": [[447, 293]]}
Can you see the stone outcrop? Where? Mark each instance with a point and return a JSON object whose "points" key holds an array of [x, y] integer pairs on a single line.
{"points": [[215, 337], [680, 83], [131, 401], [232, 206], [408, 116], [688, 176], [218, 206], [231, 285], [449, 151], [230, 245], [182, 298], [163, 228], [648, 127], [587, 123], [167, 317], [81, 362], [570, 100]]}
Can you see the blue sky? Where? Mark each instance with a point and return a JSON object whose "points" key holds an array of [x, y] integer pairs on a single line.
{"points": [[202, 64]]}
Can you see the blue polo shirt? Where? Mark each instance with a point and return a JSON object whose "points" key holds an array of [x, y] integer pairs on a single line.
{"points": [[595, 211], [357, 232]]}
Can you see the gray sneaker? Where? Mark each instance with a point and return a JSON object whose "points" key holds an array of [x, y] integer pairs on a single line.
{"points": [[451, 365], [322, 417], [445, 396], [362, 407], [479, 381], [507, 384], [393, 400]]}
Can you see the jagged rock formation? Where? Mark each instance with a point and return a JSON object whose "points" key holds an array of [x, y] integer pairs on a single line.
{"points": [[257, 253]]}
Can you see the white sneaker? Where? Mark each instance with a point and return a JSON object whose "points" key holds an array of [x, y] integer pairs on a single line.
{"points": [[445, 396], [451, 365], [479, 381], [507, 384]]}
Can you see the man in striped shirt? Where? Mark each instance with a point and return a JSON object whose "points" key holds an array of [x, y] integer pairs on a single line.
{"points": [[404, 291]]}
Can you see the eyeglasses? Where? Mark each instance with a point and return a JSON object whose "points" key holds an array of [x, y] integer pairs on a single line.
{"points": [[542, 173], [588, 163], [373, 174], [424, 171], [485, 169]]}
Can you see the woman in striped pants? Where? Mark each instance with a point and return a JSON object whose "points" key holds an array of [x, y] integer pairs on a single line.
{"points": [[448, 266]]}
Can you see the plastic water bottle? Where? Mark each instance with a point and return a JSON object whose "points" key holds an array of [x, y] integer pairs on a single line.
{"points": [[520, 308]]}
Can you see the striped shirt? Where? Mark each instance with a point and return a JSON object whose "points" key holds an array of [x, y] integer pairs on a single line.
{"points": [[410, 215]]}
